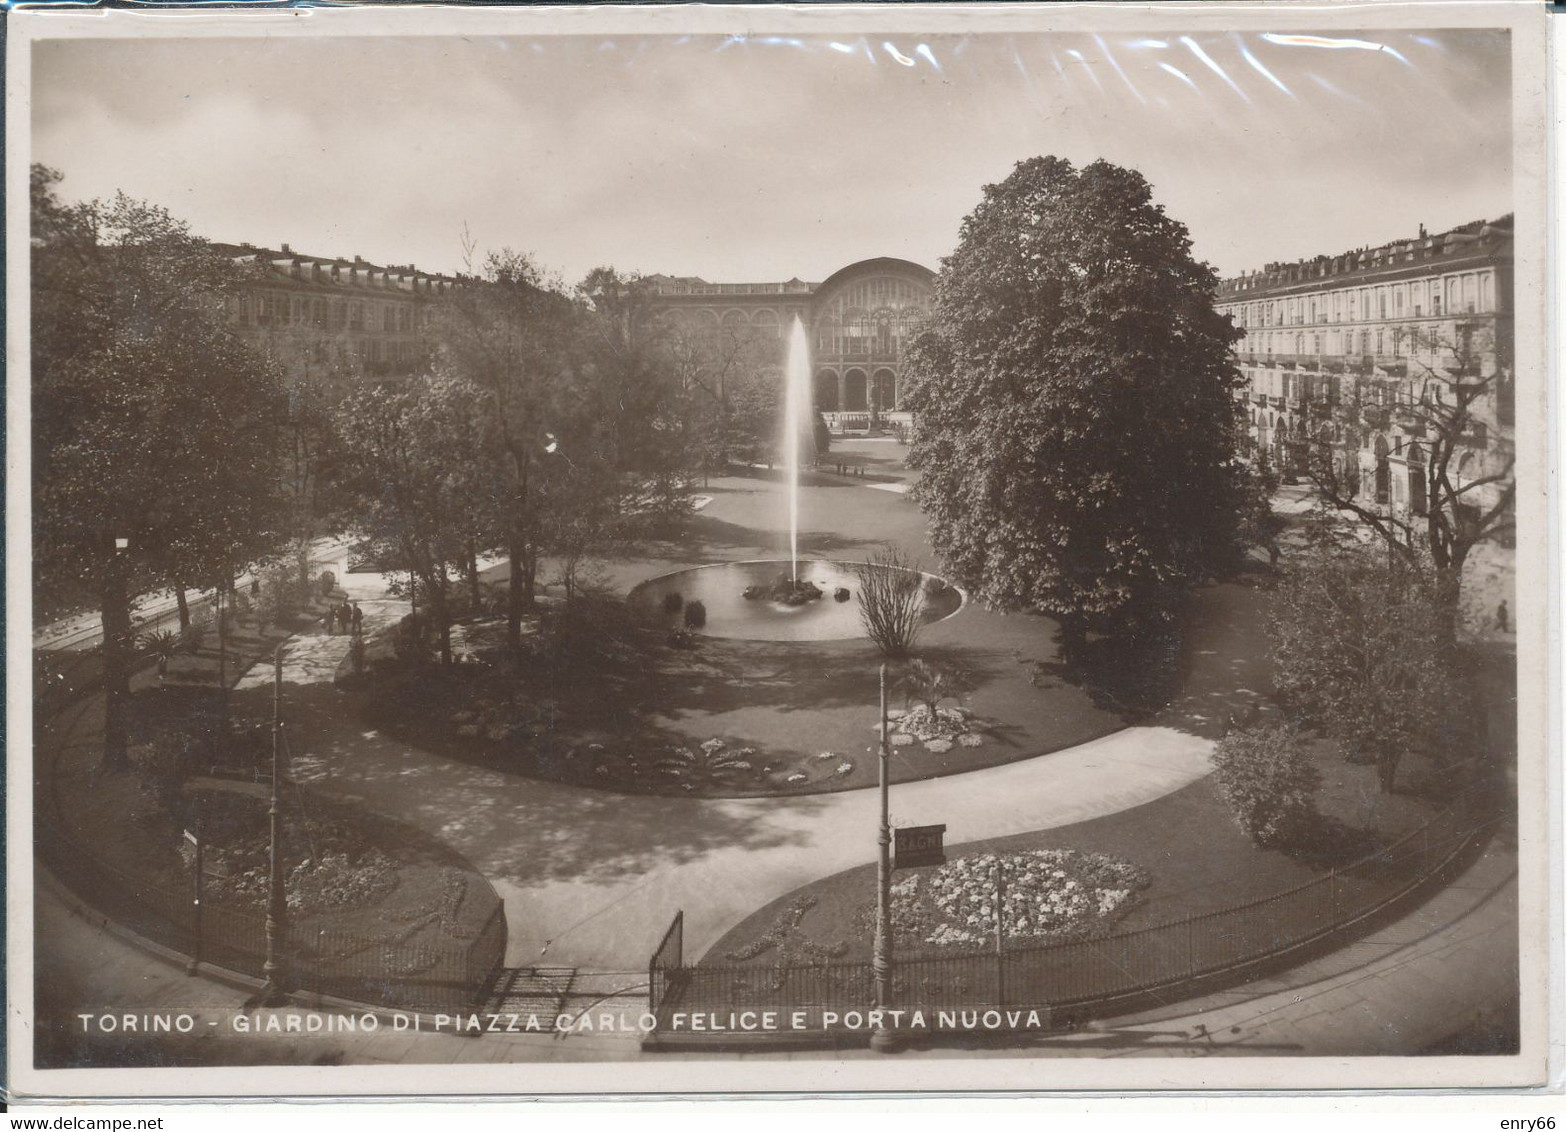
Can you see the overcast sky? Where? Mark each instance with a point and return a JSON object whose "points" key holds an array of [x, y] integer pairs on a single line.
{"points": [[755, 160]]}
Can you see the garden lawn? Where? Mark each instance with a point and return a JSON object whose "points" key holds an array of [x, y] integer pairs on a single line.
{"points": [[367, 875], [1194, 857]]}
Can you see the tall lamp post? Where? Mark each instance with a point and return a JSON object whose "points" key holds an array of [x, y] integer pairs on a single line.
{"points": [[882, 1039], [272, 994]]}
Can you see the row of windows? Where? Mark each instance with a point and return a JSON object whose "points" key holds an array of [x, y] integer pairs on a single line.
{"points": [[1396, 342], [1329, 388], [1470, 293], [273, 308]]}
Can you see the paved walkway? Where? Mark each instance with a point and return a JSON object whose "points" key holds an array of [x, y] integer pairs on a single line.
{"points": [[591, 879]]}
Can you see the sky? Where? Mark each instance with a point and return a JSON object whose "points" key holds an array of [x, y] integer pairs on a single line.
{"points": [[764, 159]]}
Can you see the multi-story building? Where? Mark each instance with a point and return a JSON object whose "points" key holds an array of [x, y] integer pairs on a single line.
{"points": [[335, 315], [1363, 350], [858, 322]]}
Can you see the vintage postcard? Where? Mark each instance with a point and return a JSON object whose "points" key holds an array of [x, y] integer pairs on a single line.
{"points": [[670, 550]]}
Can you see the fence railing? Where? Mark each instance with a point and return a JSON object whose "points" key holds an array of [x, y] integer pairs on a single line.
{"points": [[452, 973], [1078, 978], [667, 960]]}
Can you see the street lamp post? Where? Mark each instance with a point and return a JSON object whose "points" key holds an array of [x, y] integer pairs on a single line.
{"points": [[272, 993], [882, 1039]]}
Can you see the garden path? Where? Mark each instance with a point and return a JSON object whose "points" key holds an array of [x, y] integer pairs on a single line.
{"points": [[591, 878]]}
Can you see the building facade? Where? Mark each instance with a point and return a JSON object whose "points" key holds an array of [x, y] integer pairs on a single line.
{"points": [[858, 322], [1358, 353], [335, 315]]}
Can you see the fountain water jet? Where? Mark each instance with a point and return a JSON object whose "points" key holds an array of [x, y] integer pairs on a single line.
{"points": [[798, 430], [762, 601]]}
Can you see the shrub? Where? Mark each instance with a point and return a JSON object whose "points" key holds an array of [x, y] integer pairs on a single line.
{"points": [[933, 585], [672, 603], [163, 766], [326, 583], [929, 684], [889, 601], [1268, 782], [695, 615], [162, 644]]}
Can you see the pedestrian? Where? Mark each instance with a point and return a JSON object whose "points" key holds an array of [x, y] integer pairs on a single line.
{"points": [[331, 620], [358, 620], [1503, 620], [1273, 553]]}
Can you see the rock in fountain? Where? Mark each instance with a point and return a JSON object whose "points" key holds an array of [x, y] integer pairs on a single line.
{"points": [[786, 590]]}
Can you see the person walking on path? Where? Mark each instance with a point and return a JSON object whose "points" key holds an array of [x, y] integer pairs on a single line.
{"points": [[331, 620], [358, 620], [1503, 621]]}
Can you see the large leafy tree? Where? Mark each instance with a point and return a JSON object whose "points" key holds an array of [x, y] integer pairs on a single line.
{"points": [[511, 334], [1074, 420], [154, 427], [410, 467], [636, 396]]}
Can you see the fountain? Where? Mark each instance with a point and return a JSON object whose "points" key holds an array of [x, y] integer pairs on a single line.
{"points": [[780, 601]]}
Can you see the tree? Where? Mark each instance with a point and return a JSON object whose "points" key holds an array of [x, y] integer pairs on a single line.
{"points": [[929, 684], [637, 405], [1445, 404], [1074, 420], [154, 426], [723, 383], [890, 601], [1358, 651], [512, 334], [411, 451]]}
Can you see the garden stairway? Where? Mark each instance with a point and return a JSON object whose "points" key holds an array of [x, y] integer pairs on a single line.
{"points": [[539, 991]]}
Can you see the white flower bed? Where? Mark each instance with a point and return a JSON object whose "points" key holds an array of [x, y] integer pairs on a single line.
{"points": [[939, 732], [1048, 894]]}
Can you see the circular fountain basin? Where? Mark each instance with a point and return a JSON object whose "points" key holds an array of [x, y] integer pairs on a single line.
{"points": [[721, 588]]}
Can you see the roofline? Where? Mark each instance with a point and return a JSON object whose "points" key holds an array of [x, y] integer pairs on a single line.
{"points": [[866, 266]]}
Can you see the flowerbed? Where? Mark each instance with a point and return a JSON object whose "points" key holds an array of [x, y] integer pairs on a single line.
{"points": [[343, 872], [939, 730], [1047, 895]]}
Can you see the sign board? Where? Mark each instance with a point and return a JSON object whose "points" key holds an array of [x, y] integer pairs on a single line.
{"points": [[916, 845]]}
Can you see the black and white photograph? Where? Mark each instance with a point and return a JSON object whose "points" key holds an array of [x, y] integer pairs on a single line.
{"points": [[685, 549]]}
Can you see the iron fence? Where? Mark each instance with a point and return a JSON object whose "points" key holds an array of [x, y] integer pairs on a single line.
{"points": [[665, 967], [1076, 979]]}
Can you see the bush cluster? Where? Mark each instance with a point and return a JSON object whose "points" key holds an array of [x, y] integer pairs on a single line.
{"points": [[1268, 782]]}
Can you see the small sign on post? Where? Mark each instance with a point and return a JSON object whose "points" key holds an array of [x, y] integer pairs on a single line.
{"points": [[918, 845]]}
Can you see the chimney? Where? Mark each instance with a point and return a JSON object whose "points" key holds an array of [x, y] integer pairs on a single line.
{"points": [[1421, 231], [287, 250]]}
